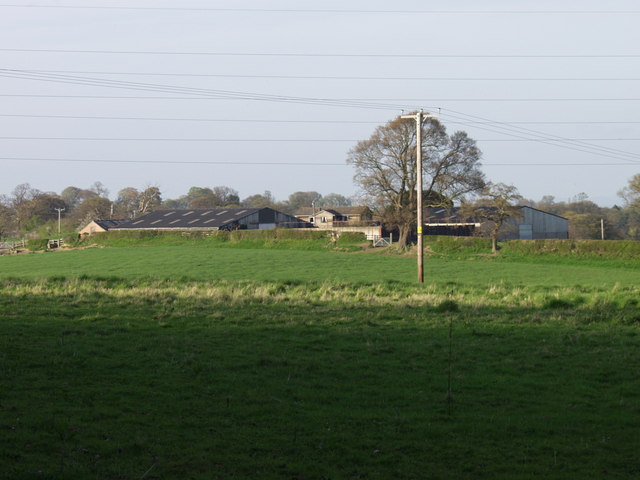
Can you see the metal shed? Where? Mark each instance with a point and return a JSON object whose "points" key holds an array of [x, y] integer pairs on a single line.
{"points": [[533, 224], [536, 224]]}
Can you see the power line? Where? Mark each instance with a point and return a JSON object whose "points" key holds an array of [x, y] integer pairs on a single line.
{"points": [[226, 94], [268, 163], [182, 119], [545, 138], [315, 55], [560, 164], [165, 139], [327, 10], [197, 93], [371, 103], [556, 141], [179, 162], [282, 140], [223, 94], [541, 137], [338, 77], [275, 121], [580, 122]]}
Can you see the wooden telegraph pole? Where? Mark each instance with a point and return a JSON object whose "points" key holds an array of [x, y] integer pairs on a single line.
{"points": [[419, 117], [59, 210]]}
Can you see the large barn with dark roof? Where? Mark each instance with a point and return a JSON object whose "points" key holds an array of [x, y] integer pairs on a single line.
{"points": [[96, 226], [213, 219]]}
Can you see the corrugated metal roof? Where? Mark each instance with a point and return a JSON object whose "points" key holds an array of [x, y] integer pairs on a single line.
{"points": [[110, 223], [193, 218]]}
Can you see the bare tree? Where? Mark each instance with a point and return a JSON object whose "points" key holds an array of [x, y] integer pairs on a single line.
{"points": [[631, 193], [205, 197], [258, 200], [20, 203], [100, 190], [72, 196], [126, 204], [386, 170], [334, 200], [299, 200], [6, 217], [496, 206], [149, 199], [93, 208]]}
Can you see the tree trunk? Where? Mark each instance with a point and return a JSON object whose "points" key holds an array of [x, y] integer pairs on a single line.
{"points": [[494, 236], [404, 235]]}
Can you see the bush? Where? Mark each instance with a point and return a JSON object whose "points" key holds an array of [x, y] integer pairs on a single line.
{"points": [[450, 244], [306, 239], [621, 249], [37, 244], [352, 237]]}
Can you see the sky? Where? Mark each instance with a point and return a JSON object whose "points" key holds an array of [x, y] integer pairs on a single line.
{"points": [[271, 95]]}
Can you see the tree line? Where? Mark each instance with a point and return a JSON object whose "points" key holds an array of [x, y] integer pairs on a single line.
{"points": [[385, 172], [385, 166], [27, 210]]}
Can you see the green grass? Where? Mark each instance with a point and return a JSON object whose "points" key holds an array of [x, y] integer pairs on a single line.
{"points": [[215, 363], [208, 263]]}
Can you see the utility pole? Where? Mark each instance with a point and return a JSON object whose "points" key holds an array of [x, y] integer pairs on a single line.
{"points": [[602, 228], [419, 117], [59, 210]]}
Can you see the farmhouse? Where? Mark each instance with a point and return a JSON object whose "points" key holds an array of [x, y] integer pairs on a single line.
{"points": [[213, 219], [96, 226], [533, 224], [342, 219], [330, 215]]}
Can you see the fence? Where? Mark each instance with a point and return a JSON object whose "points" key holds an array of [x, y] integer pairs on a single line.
{"points": [[382, 241], [12, 245], [56, 243]]}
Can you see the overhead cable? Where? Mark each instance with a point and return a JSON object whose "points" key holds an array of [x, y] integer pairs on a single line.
{"points": [[327, 10], [329, 55]]}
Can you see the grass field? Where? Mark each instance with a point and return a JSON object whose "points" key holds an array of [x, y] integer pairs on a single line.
{"points": [[202, 263], [206, 362]]}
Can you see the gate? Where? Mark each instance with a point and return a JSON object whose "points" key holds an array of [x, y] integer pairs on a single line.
{"points": [[382, 241]]}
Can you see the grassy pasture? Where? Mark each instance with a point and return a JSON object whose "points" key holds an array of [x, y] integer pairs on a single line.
{"points": [[210, 263], [209, 362]]}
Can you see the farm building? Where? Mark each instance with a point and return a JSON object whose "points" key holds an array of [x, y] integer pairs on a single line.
{"points": [[213, 219], [96, 226], [533, 224], [342, 219], [331, 215]]}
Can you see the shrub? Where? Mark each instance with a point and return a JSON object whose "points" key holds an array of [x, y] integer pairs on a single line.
{"points": [[37, 244], [447, 306], [450, 244], [352, 237], [621, 249]]}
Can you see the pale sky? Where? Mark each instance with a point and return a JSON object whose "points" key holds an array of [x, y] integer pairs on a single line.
{"points": [[294, 85]]}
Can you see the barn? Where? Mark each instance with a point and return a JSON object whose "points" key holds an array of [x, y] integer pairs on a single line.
{"points": [[532, 224], [213, 219], [95, 226]]}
